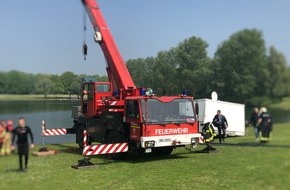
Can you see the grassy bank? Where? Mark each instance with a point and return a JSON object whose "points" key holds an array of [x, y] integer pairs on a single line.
{"points": [[28, 97], [283, 105], [239, 164]]}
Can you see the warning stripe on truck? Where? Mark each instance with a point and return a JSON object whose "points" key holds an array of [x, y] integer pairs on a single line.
{"points": [[105, 149]]}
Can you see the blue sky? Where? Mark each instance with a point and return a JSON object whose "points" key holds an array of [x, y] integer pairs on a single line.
{"points": [[46, 36]]}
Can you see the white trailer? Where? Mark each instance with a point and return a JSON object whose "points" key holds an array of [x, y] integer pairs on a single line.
{"points": [[234, 113]]}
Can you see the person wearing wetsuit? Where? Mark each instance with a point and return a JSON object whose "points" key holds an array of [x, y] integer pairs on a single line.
{"points": [[22, 132]]}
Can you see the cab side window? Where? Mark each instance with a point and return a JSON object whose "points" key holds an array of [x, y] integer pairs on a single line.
{"points": [[90, 92], [103, 88], [132, 110]]}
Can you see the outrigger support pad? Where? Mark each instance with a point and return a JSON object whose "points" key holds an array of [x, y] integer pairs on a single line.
{"points": [[43, 149], [84, 163], [208, 149]]}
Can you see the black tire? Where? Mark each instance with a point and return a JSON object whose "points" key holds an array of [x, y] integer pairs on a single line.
{"points": [[115, 137], [162, 151], [79, 136]]}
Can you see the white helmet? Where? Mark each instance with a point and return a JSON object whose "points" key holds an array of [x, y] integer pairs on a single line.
{"points": [[263, 110]]}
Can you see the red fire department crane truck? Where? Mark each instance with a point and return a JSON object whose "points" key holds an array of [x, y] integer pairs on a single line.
{"points": [[119, 112]]}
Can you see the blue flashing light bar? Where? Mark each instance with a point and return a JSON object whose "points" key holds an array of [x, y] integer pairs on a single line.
{"points": [[184, 93]]}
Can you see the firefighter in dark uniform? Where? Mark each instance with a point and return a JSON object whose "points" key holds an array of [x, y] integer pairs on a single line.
{"points": [[22, 132], [265, 124], [221, 123]]}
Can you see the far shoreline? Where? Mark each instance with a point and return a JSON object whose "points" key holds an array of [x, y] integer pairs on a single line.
{"points": [[283, 105], [37, 97]]}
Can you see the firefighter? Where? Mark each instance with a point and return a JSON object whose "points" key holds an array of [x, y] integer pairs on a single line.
{"points": [[265, 124], [2, 134], [22, 132], [208, 135], [6, 148], [221, 123]]}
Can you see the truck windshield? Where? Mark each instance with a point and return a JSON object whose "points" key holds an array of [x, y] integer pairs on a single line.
{"points": [[176, 111]]}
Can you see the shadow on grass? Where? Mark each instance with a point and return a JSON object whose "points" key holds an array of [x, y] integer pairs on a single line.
{"points": [[143, 158], [15, 170], [64, 148], [126, 157], [253, 144], [132, 159], [149, 157]]}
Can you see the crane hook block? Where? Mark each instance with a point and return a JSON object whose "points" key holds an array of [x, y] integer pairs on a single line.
{"points": [[98, 37], [85, 50]]}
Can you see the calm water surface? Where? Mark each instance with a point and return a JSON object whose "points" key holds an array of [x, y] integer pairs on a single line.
{"points": [[56, 113]]}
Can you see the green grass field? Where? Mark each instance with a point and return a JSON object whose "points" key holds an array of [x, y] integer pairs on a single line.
{"points": [[283, 105], [239, 164]]}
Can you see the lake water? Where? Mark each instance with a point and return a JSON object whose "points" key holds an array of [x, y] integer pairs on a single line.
{"points": [[57, 114]]}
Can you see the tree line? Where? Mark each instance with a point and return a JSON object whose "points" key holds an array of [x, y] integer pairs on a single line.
{"points": [[17, 82], [242, 70]]}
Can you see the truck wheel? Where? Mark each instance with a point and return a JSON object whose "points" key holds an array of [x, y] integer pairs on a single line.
{"points": [[162, 151], [115, 137], [79, 137]]}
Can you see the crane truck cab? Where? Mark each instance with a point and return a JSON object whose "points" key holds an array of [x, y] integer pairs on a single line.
{"points": [[92, 91]]}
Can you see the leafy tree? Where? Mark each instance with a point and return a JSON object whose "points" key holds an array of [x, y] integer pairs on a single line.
{"points": [[16, 82], [278, 78], [3, 83], [240, 66], [76, 85], [66, 79], [43, 84], [194, 66], [99, 78], [164, 73], [185, 66], [58, 87], [19, 83], [141, 71]]}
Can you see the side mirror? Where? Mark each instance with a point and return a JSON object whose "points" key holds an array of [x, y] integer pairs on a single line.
{"points": [[196, 108]]}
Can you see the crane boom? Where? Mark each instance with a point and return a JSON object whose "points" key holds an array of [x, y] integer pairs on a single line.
{"points": [[117, 71]]}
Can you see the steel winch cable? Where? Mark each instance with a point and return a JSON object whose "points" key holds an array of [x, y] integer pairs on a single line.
{"points": [[85, 47]]}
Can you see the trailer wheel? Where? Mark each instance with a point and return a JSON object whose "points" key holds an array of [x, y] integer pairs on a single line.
{"points": [[162, 151], [115, 137]]}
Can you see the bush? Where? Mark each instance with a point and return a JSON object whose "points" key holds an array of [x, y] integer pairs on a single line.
{"points": [[259, 101]]}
